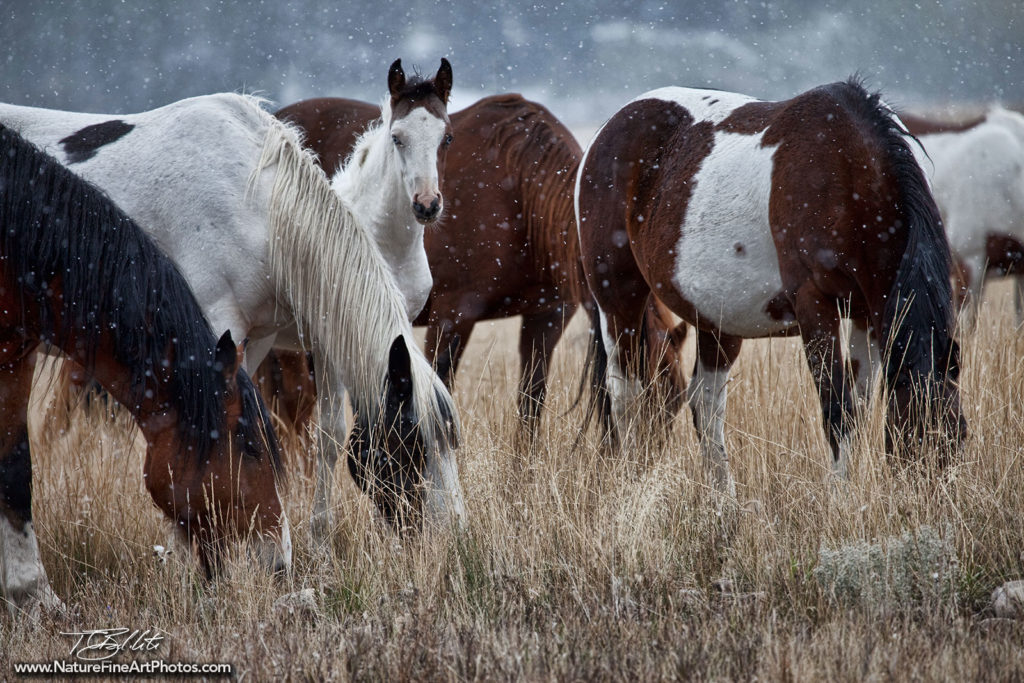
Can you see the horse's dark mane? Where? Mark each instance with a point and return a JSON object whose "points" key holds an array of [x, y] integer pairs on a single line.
{"points": [[546, 147], [918, 317], [115, 285]]}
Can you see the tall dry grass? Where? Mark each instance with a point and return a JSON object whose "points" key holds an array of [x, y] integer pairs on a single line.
{"points": [[576, 565]]}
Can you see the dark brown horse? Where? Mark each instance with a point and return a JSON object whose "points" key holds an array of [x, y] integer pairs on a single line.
{"points": [[753, 219], [508, 243], [78, 275]]}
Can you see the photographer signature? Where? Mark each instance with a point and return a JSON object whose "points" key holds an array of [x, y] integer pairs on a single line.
{"points": [[96, 645]]}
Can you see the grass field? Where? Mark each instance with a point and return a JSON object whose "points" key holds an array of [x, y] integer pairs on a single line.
{"points": [[577, 565]]}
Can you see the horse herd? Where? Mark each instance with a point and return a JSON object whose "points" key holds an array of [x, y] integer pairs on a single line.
{"points": [[130, 242]]}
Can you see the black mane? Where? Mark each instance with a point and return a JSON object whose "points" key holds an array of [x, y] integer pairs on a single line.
{"points": [[115, 284]]}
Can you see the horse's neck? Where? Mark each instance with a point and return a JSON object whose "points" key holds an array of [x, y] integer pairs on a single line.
{"points": [[152, 409], [371, 186]]}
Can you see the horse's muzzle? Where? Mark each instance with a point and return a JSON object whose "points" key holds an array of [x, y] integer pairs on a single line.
{"points": [[427, 213]]}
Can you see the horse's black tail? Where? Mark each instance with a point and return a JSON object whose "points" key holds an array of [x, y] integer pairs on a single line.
{"points": [[594, 377], [918, 318], [921, 358]]}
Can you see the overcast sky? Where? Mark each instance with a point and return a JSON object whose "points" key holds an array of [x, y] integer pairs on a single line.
{"points": [[583, 59]]}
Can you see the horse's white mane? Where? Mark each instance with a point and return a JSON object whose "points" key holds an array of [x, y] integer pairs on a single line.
{"points": [[331, 273], [373, 128]]}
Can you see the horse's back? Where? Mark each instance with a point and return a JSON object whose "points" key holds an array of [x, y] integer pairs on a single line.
{"points": [[500, 114], [977, 174], [182, 172], [52, 127], [725, 203]]}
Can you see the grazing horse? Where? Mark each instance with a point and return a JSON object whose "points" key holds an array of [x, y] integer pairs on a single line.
{"points": [[273, 255], [977, 174], [78, 275], [507, 246], [752, 219]]}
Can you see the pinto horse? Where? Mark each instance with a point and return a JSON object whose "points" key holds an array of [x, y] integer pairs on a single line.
{"points": [[78, 275], [977, 173], [507, 246], [219, 171], [752, 219]]}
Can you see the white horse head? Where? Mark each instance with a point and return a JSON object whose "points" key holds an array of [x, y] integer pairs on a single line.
{"points": [[417, 120]]}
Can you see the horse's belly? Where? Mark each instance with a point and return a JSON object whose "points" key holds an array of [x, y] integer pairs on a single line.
{"points": [[726, 266], [734, 291]]}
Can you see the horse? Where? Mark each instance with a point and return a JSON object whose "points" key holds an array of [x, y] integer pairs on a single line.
{"points": [[751, 219], [507, 246], [77, 275], [976, 168], [301, 271]]}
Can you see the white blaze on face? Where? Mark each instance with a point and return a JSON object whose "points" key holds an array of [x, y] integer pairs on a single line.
{"points": [[286, 543], [443, 499], [418, 136]]}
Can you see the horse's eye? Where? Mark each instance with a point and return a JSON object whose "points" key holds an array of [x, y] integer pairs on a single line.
{"points": [[394, 139], [448, 139]]}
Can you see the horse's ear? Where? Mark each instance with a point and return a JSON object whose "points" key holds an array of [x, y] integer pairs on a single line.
{"points": [[396, 78], [443, 80], [228, 355], [399, 372]]}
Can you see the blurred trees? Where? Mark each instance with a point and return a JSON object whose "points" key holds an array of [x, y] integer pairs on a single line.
{"points": [[110, 55]]}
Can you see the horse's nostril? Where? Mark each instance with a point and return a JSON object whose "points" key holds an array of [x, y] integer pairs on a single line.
{"points": [[424, 211]]}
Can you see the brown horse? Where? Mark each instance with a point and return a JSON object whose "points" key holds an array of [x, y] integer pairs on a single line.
{"points": [[78, 275], [752, 219], [508, 244]]}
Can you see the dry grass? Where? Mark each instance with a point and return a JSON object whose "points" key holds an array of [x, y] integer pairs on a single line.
{"points": [[580, 566]]}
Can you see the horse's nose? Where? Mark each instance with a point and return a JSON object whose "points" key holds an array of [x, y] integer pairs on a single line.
{"points": [[426, 212]]}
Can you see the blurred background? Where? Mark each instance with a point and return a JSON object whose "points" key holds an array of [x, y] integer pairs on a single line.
{"points": [[582, 59]]}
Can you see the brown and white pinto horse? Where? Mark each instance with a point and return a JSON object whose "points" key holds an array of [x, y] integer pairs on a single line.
{"points": [[78, 275], [976, 168], [508, 245], [751, 219]]}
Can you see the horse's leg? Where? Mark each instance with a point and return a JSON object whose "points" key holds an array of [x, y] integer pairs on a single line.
{"points": [[973, 274], [707, 396], [864, 360], [620, 332], [538, 336], [22, 576], [665, 339], [331, 439], [1018, 298], [819, 326], [446, 341]]}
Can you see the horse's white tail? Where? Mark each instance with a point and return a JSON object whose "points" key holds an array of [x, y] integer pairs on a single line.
{"points": [[330, 272]]}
